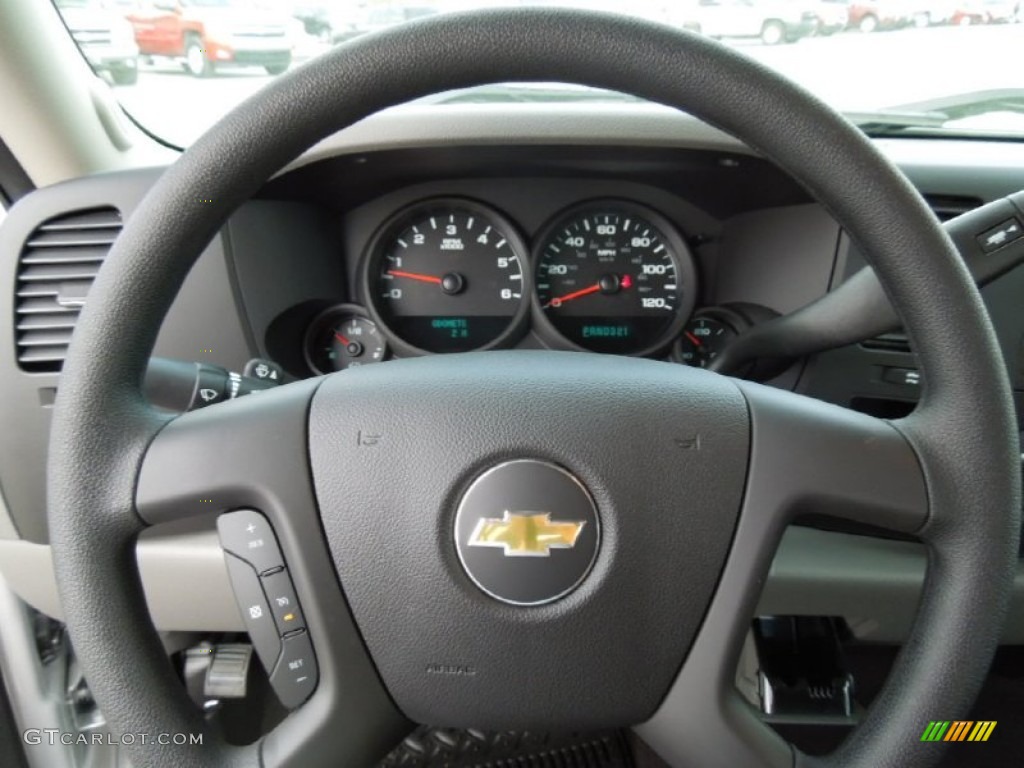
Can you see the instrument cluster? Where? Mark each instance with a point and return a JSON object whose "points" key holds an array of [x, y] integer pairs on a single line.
{"points": [[451, 274]]}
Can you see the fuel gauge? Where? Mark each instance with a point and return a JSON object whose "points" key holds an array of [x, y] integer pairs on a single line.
{"points": [[343, 337]]}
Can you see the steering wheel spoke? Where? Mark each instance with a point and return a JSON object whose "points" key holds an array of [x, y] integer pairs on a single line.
{"points": [[814, 458], [251, 454], [704, 722], [806, 457], [347, 715], [245, 453]]}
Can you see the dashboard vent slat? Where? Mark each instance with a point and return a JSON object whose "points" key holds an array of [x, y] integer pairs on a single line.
{"points": [[57, 273], [48, 321], [81, 253], [83, 221], [45, 357], [46, 338], [57, 266], [64, 293], [948, 207], [42, 306], [73, 238], [889, 342]]}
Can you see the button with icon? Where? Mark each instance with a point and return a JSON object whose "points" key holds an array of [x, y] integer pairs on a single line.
{"points": [[256, 612], [283, 602], [211, 386], [296, 673], [248, 535]]}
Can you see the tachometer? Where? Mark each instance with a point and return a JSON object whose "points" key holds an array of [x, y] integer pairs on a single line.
{"points": [[615, 277], [447, 276]]}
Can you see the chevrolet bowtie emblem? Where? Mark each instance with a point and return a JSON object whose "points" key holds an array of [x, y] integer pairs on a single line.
{"points": [[526, 534]]}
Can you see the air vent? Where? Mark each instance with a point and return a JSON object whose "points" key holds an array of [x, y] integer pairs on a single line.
{"points": [[889, 342], [57, 266], [948, 207]]}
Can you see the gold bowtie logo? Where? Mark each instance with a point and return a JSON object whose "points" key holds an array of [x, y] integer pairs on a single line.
{"points": [[526, 534]]}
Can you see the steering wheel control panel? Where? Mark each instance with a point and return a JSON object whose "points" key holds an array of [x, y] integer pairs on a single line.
{"points": [[269, 605]]}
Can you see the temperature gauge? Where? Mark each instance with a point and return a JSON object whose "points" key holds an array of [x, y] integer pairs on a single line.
{"points": [[703, 338], [343, 337]]}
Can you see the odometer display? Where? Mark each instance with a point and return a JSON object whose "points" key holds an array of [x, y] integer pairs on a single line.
{"points": [[614, 277], [447, 276]]}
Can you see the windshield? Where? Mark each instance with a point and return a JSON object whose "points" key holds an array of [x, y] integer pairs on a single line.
{"points": [[893, 66]]}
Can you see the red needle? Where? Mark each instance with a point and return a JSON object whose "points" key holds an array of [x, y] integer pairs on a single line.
{"points": [[694, 339], [575, 295], [414, 276], [342, 339]]}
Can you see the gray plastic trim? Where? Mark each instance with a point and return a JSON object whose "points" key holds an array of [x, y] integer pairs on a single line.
{"points": [[987, 169], [424, 125], [874, 584], [183, 574], [780, 258]]}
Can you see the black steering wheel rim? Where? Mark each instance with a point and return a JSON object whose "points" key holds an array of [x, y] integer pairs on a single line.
{"points": [[963, 431]]}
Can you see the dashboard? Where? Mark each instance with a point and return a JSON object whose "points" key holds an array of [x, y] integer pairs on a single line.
{"points": [[452, 274], [627, 230], [608, 249]]}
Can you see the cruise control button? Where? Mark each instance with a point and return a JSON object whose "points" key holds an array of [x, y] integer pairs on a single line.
{"points": [[1000, 235], [907, 376], [296, 673], [256, 613], [283, 602], [248, 535]]}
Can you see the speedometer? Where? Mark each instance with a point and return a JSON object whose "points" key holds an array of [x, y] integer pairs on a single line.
{"points": [[447, 275], [615, 277]]}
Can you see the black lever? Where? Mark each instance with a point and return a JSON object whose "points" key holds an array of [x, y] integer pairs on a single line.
{"points": [[185, 386], [990, 240]]}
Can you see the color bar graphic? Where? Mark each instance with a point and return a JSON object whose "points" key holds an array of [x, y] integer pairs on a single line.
{"points": [[958, 730]]}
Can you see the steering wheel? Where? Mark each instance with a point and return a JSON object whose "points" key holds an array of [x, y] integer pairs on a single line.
{"points": [[678, 482]]}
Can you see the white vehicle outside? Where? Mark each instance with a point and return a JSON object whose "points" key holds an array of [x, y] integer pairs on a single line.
{"points": [[773, 21], [104, 37]]}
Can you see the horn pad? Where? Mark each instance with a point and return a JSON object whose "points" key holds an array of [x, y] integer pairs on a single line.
{"points": [[595, 497]]}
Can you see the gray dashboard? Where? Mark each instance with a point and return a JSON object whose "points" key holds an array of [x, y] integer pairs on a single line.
{"points": [[297, 248]]}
